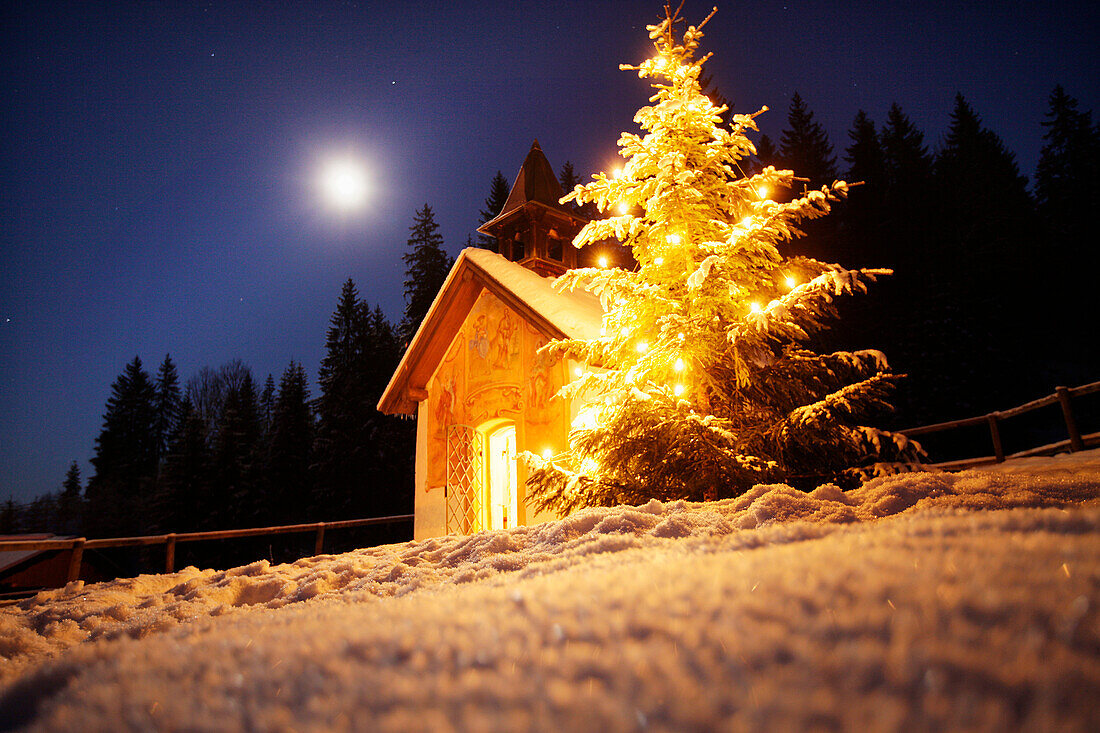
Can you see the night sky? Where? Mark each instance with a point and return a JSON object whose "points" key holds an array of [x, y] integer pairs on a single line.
{"points": [[160, 159]]}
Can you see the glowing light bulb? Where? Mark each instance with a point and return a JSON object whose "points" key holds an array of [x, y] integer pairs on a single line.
{"points": [[762, 192], [547, 454], [623, 208], [616, 172], [603, 262], [659, 261], [754, 307], [625, 331], [673, 239], [678, 390], [578, 371], [746, 222], [791, 282], [679, 365], [642, 347]]}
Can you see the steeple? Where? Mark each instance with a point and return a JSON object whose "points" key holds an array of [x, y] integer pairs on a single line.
{"points": [[533, 229]]}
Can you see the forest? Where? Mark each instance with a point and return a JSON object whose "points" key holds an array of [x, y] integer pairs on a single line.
{"points": [[987, 308]]}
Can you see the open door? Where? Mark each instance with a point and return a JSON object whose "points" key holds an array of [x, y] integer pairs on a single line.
{"points": [[502, 500]]}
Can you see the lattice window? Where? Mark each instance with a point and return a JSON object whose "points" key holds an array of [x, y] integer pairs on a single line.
{"points": [[464, 471]]}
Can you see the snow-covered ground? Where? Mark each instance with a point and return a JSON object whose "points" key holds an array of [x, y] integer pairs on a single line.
{"points": [[918, 602]]}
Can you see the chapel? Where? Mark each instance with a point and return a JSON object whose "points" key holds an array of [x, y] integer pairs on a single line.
{"points": [[472, 376]]}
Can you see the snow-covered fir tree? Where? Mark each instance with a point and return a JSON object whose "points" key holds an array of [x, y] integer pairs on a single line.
{"points": [[701, 384]]}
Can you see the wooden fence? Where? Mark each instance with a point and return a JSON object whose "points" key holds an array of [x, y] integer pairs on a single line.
{"points": [[76, 546], [1063, 396]]}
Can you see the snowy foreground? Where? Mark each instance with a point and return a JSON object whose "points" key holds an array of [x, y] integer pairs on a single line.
{"points": [[921, 602]]}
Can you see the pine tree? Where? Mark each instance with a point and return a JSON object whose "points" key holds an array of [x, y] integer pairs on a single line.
{"points": [[362, 458], [988, 228], [166, 405], [494, 205], [804, 146], [766, 154], [908, 182], [185, 498], [267, 405], [70, 504], [570, 180], [702, 385], [235, 454], [9, 517], [863, 209], [288, 452], [426, 267], [342, 418], [1069, 167], [1068, 174], [125, 456]]}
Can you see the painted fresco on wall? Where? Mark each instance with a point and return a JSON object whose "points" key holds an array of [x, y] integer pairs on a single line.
{"points": [[492, 370]]}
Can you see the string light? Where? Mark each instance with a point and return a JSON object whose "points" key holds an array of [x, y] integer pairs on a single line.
{"points": [[678, 390], [659, 261], [642, 347], [746, 222], [762, 192], [754, 307], [578, 371], [623, 208], [547, 454], [603, 262], [679, 365], [673, 239], [791, 282]]}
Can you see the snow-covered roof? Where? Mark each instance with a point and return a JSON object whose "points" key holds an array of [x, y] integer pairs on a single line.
{"points": [[558, 315]]}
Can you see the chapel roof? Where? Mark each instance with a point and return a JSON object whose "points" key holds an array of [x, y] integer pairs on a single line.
{"points": [[576, 314], [535, 184]]}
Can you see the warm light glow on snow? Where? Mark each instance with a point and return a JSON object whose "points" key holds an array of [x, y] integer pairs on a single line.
{"points": [[343, 183]]}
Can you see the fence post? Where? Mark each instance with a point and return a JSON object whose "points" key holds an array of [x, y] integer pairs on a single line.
{"points": [[995, 433], [75, 557], [1075, 443], [170, 553], [319, 543]]}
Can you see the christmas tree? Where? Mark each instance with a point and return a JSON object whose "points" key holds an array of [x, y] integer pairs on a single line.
{"points": [[701, 384]]}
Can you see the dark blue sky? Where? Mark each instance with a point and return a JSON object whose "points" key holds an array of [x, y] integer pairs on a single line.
{"points": [[159, 158]]}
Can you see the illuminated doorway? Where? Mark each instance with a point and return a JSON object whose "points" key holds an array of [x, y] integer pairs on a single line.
{"points": [[501, 486]]}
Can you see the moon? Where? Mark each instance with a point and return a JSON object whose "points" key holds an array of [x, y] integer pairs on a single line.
{"points": [[343, 183]]}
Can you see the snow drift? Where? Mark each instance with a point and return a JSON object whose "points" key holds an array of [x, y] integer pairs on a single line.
{"points": [[894, 606]]}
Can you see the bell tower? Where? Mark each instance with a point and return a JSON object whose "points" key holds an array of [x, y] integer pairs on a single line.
{"points": [[533, 229]]}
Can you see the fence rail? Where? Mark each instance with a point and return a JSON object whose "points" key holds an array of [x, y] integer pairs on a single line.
{"points": [[1063, 396], [76, 546]]}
